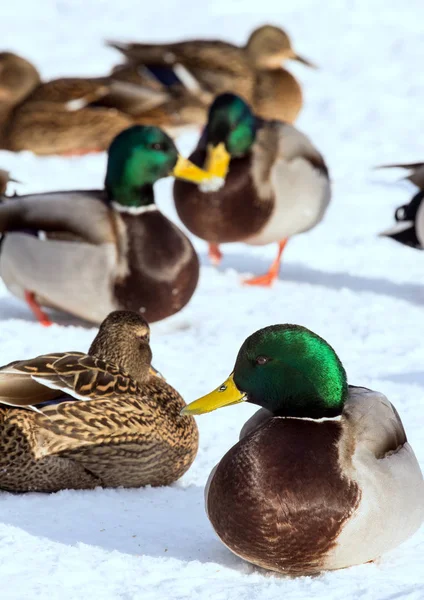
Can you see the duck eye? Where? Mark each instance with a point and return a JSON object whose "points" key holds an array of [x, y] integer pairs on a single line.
{"points": [[160, 146], [261, 360]]}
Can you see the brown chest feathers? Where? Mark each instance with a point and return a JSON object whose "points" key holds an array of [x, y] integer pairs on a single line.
{"points": [[232, 214], [163, 267], [278, 498]]}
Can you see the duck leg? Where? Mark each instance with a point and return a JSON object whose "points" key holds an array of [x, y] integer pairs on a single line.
{"points": [[268, 279], [215, 254], [36, 309]]}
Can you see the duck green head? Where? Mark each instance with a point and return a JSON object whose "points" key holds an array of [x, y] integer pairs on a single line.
{"points": [[286, 369], [137, 158], [231, 132]]}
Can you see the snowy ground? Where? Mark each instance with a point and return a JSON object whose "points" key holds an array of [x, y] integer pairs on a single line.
{"points": [[364, 294]]}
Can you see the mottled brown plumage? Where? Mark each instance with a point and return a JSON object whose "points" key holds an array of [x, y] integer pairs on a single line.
{"points": [[253, 71], [109, 419], [181, 110], [67, 115]]}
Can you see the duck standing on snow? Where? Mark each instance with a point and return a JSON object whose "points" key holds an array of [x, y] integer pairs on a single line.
{"points": [[66, 116], [409, 227], [206, 68], [75, 420], [323, 476], [91, 252], [276, 182]]}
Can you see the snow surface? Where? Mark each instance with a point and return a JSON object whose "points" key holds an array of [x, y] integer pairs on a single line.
{"points": [[363, 293]]}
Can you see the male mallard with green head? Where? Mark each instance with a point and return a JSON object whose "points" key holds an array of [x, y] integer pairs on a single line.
{"points": [[75, 420], [323, 476], [91, 252], [276, 182]]}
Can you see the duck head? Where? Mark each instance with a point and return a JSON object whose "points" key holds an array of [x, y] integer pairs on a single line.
{"points": [[124, 340], [268, 47], [137, 158], [18, 78], [230, 132], [287, 369]]}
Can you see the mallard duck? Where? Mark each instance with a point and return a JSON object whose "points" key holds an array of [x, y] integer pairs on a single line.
{"points": [[211, 67], [75, 420], [276, 182], [409, 227], [91, 252], [65, 116], [323, 476]]}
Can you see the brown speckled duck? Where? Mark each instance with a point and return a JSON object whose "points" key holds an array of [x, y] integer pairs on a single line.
{"points": [[276, 182], [90, 252], [75, 420], [211, 67], [66, 116], [323, 476]]}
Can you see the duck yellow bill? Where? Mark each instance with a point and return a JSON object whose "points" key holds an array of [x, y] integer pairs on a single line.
{"points": [[185, 169], [227, 394], [218, 160]]}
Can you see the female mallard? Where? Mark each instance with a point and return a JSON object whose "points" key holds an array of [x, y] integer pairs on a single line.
{"points": [[211, 67], [181, 111], [276, 182], [75, 420], [323, 476], [65, 116], [91, 252]]}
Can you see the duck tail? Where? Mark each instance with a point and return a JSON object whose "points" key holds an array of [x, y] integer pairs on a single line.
{"points": [[416, 176]]}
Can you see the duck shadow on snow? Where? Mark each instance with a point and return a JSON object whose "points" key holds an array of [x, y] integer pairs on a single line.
{"points": [[157, 522], [297, 272]]}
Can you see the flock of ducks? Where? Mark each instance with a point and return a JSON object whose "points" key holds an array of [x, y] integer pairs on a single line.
{"points": [[323, 476]]}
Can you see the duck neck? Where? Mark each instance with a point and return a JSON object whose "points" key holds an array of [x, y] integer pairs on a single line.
{"points": [[132, 200]]}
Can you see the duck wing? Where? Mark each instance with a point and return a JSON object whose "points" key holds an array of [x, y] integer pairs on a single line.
{"points": [[211, 66], [82, 213]]}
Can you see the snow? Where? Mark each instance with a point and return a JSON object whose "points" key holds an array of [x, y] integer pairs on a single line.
{"points": [[363, 293]]}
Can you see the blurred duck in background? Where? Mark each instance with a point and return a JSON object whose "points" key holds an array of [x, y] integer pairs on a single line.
{"points": [[73, 116], [409, 226], [276, 183], [206, 68], [89, 252]]}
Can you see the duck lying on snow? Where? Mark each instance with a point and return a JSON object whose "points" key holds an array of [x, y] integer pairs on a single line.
{"points": [[91, 252], [75, 420], [323, 476]]}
